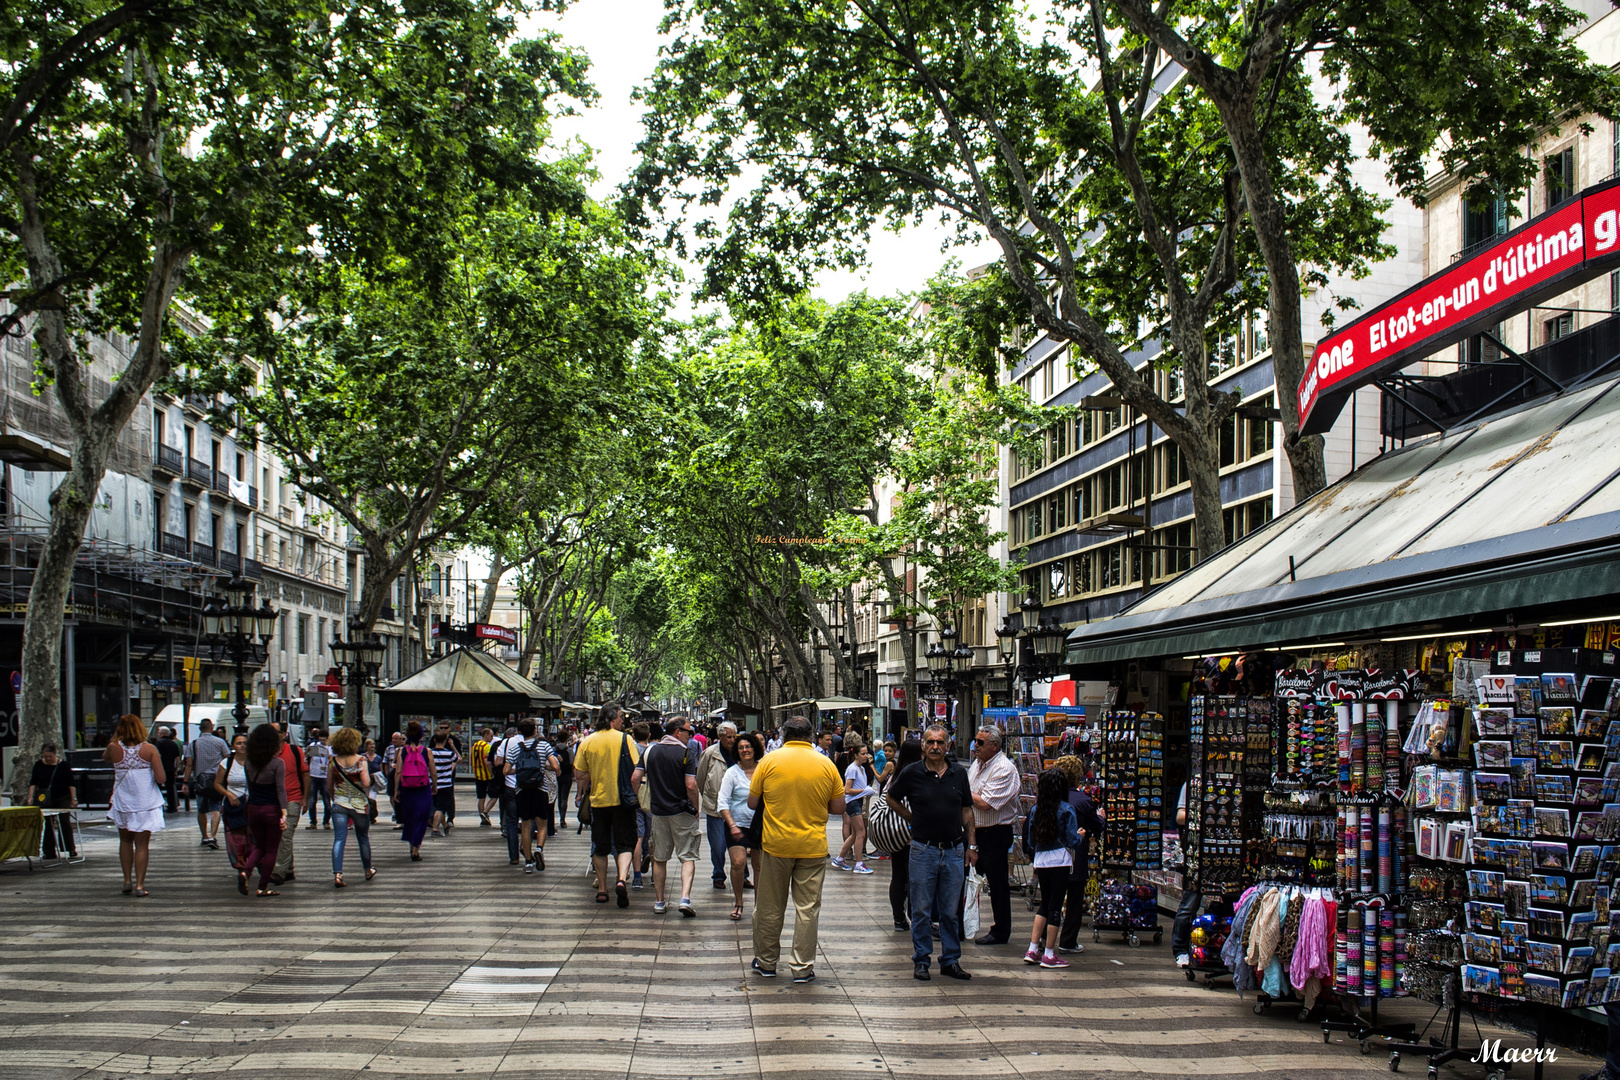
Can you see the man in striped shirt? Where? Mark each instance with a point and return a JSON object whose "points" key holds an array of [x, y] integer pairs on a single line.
{"points": [[445, 758], [483, 776]]}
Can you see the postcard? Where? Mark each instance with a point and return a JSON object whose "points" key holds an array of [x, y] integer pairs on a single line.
{"points": [[1554, 788], [1478, 979], [1497, 786], [1559, 687], [1542, 989], [1557, 720], [1549, 890], [1484, 918], [1544, 955], [1493, 753], [1589, 758], [1523, 771], [1585, 860], [1556, 753], [1589, 790], [1488, 885], [1516, 897], [1484, 949], [1515, 934], [1551, 855], [1592, 724], [1489, 722], [1495, 688]]}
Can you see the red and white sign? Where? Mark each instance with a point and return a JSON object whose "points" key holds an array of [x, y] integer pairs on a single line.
{"points": [[490, 632], [1545, 256], [1063, 692]]}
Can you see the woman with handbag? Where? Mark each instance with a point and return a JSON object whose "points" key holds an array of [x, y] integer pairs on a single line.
{"points": [[137, 798], [900, 858], [50, 787], [348, 778], [230, 787], [266, 774], [742, 824]]}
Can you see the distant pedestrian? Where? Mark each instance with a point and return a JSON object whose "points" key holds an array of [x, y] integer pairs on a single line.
{"points": [[319, 796], [562, 741], [531, 763], [415, 785], [298, 785], [378, 772], [775, 740], [718, 757], [453, 741], [607, 769], [396, 743], [137, 798], [484, 789], [445, 759], [207, 750], [1051, 833], [671, 769], [858, 780], [230, 786], [349, 784], [909, 753], [641, 862], [267, 805], [742, 831], [799, 789], [169, 754], [994, 783], [933, 796]]}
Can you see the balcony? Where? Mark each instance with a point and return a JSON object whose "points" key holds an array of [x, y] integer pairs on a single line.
{"points": [[174, 546], [204, 554], [199, 473], [198, 403], [220, 481], [253, 569], [230, 562], [169, 460]]}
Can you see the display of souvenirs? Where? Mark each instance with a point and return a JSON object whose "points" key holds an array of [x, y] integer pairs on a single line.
{"points": [[1133, 789]]}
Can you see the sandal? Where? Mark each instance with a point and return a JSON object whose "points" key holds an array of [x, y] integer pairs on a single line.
{"points": [[128, 888], [268, 892], [601, 898], [142, 892], [370, 874], [624, 894], [241, 882], [736, 913], [338, 882]]}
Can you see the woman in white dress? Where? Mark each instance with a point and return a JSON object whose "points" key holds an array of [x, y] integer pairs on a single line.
{"points": [[137, 798]]}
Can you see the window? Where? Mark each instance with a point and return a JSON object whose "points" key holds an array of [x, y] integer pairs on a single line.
{"points": [[1056, 581], [281, 633], [1259, 334], [1558, 327], [241, 467], [1172, 468], [1485, 215], [320, 636], [1262, 433], [1060, 441], [1480, 349], [159, 427], [241, 541], [191, 525], [883, 652], [303, 635], [1175, 554], [213, 530], [160, 521], [217, 455], [1033, 519], [1614, 279], [191, 441], [1244, 519], [1560, 177], [1057, 508]]}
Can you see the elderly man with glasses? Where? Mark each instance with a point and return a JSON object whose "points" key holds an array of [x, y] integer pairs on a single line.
{"points": [[934, 796], [719, 756], [993, 780]]}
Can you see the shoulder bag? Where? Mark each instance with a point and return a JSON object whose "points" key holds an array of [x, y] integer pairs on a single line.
{"points": [[888, 831], [628, 796]]}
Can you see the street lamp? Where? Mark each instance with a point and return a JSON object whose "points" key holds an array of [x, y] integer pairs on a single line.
{"points": [[360, 658], [234, 629]]}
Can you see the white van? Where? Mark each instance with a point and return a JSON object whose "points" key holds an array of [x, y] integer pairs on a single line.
{"points": [[223, 716]]}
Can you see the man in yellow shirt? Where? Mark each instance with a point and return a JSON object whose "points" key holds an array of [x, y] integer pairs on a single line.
{"points": [[599, 772], [796, 789], [482, 776]]}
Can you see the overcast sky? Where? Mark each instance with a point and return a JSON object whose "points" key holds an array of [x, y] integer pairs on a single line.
{"points": [[621, 37]]}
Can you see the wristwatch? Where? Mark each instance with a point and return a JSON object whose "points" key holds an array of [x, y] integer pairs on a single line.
{"points": [[973, 847]]}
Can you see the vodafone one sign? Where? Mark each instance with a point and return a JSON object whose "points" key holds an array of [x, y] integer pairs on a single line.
{"points": [[1543, 257]]}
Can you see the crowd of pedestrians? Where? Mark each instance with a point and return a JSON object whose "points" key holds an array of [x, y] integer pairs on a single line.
{"points": [[652, 793]]}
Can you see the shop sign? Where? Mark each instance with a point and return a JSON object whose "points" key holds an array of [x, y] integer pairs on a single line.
{"points": [[1543, 257], [490, 632]]}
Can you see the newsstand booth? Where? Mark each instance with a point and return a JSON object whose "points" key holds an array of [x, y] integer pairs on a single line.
{"points": [[467, 686], [1455, 758]]}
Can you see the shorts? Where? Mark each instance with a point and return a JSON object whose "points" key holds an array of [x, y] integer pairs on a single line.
{"points": [[674, 835], [444, 800], [209, 804], [532, 803], [643, 823], [613, 827], [483, 788]]}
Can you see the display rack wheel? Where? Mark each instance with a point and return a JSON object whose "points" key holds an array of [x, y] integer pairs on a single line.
{"points": [[1434, 1072], [1158, 936], [1304, 1016], [1394, 1061], [1133, 939], [1366, 1047], [1498, 1074], [1259, 1008], [1327, 1036], [1096, 936], [1192, 976]]}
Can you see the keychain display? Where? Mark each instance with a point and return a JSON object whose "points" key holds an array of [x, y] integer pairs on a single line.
{"points": [[1133, 790]]}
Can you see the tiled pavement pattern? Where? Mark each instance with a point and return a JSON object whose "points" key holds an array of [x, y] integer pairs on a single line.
{"points": [[461, 966]]}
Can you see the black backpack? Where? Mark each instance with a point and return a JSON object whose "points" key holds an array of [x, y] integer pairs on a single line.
{"points": [[531, 766]]}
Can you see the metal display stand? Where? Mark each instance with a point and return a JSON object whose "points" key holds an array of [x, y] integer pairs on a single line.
{"points": [[1445, 1047]]}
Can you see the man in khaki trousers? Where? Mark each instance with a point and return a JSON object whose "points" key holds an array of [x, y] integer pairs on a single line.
{"points": [[796, 790]]}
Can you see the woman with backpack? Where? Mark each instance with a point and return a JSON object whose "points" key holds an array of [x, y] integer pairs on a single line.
{"points": [[414, 789], [1051, 833]]}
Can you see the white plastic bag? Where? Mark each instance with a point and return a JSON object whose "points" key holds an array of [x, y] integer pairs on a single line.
{"points": [[970, 908]]}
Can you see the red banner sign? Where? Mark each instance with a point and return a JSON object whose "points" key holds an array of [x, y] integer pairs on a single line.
{"points": [[504, 634], [1543, 257]]}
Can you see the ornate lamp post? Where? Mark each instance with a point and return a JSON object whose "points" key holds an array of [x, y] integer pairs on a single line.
{"points": [[235, 630], [360, 658]]}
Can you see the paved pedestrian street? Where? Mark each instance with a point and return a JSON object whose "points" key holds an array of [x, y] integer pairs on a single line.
{"points": [[462, 966]]}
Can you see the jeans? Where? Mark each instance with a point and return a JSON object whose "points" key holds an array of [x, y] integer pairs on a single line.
{"points": [[563, 784], [340, 836], [509, 822], [995, 842], [1181, 930], [319, 784], [718, 842], [936, 891]]}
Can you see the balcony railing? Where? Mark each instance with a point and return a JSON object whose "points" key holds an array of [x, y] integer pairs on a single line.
{"points": [[199, 472], [221, 481], [252, 569], [174, 546], [170, 460], [253, 497], [230, 562], [203, 553]]}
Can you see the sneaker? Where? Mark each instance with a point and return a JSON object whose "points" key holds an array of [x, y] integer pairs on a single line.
{"points": [[1053, 960], [636, 882], [203, 842], [528, 867], [484, 822], [807, 975], [766, 973], [1075, 948], [839, 863], [719, 883], [1032, 955], [861, 868], [686, 907], [902, 926], [659, 907], [540, 860], [1183, 960], [214, 844]]}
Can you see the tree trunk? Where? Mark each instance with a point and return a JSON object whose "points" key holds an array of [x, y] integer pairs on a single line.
{"points": [[492, 582]]}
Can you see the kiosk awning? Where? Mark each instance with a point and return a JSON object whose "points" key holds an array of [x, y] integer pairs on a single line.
{"points": [[1511, 514]]}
